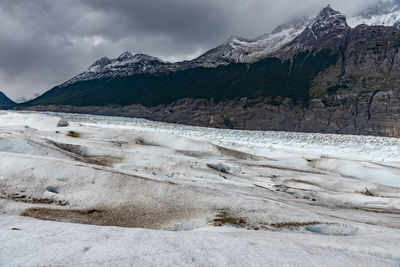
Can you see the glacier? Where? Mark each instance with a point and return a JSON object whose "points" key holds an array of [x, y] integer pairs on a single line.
{"points": [[121, 191]]}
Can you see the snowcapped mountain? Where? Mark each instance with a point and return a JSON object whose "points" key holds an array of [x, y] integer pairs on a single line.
{"points": [[241, 50], [141, 62], [124, 65], [386, 13], [328, 30], [234, 50], [283, 42]]}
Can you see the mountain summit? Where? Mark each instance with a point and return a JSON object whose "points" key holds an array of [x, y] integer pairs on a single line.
{"points": [[124, 65], [328, 30]]}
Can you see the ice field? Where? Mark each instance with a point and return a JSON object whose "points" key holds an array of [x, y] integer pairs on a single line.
{"points": [[119, 191]]}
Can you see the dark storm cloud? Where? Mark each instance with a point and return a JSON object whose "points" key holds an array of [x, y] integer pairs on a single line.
{"points": [[45, 42]]}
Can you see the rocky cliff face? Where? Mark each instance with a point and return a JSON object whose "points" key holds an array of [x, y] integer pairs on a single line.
{"points": [[366, 114], [372, 59], [369, 59]]}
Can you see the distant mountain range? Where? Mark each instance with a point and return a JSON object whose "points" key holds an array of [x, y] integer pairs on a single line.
{"points": [[299, 60], [308, 59], [234, 50]]}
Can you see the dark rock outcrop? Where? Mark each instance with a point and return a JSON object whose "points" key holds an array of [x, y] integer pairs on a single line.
{"points": [[5, 102]]}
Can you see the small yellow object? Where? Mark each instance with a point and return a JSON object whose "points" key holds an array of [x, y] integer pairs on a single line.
{"points": [[217, 224]]}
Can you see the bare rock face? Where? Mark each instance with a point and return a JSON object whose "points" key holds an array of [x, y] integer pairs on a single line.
{"points": [[369, 58], [350, 113], [328, 30], [372, 59]]}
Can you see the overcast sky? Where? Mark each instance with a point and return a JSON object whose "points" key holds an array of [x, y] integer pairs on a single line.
{"points": [[46, 42]]}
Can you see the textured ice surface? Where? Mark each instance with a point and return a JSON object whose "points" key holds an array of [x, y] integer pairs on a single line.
{"points": [[191, 195], [333, 229]]}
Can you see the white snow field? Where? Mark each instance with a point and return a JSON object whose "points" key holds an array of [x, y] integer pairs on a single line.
{"points": [[108, 191]]}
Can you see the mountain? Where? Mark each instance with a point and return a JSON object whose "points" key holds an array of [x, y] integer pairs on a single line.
{"points": [[125, 65], [241, 50], [321, 60], [5, 102], [234, 50], [329, 30], [289, 62], [385, 13]]}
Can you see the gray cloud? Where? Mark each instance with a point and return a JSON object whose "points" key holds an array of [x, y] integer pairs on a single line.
{"points": [[45, 42]]}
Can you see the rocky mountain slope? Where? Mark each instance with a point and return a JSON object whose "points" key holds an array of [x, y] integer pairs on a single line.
{"points": [[234, 50], [5, 102], [241, 50], [309, 60], [123, 66]]}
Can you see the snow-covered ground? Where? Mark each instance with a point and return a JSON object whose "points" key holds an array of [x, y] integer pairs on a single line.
{"points": [[122, 192]]}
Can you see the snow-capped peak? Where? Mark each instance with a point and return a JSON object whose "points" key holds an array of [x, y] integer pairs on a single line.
{"points": [[242, 50], [328, 30], [125, 56], [386, 13], [124, 65], [328, 19]]}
